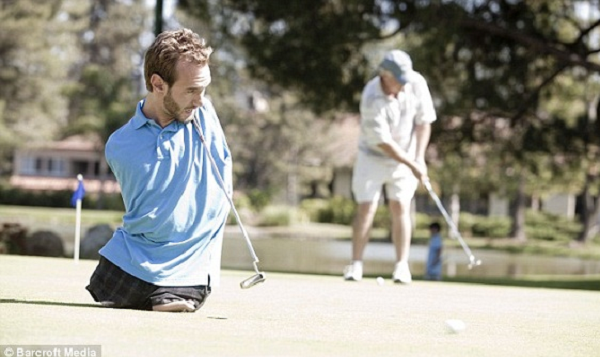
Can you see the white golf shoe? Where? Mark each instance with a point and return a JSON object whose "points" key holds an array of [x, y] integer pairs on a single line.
{"points": [[402, 273], [353, 272]]}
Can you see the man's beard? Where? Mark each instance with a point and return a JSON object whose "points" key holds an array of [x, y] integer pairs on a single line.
{"points": [[174, 111]]}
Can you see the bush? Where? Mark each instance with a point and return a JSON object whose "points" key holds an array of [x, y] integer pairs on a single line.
{"points": [[423, 220], [312, 207], [241, 200], [339, 210], [272, 216], [550, 227], [382, 218], [17, 197], [491, 227], [14, 196], [539, 225], [259, 199], [466, 222]]}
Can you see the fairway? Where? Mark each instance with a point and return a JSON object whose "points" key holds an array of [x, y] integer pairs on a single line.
{"points": [[43, 301]]}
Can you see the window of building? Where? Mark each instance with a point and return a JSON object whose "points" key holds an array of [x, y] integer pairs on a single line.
{"points": [[27, 165], [80, 167], [57, 167]]}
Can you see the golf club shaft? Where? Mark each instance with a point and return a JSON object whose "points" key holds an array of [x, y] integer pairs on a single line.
{"points": [[449, 221], [229, 199]]}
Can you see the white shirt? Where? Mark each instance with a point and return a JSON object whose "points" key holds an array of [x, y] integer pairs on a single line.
{"points": [[386, 119]]}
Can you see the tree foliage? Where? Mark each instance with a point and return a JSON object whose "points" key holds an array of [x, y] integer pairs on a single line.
{"points": [[314, 46], [277, 150], [30, 65], [67, 66], [106, 76], [497, 68]]}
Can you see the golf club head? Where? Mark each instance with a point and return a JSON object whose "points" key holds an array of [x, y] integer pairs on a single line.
{"points": [[474, 262], [253, 280]]}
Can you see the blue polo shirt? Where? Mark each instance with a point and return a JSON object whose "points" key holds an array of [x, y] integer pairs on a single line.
{"points": [[175, 210]]}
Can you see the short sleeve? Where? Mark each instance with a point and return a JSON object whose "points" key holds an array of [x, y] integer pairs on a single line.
{"points": [[425, 111]]}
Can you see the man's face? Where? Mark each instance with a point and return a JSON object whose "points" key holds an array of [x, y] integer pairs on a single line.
{"points": [[187, 93], [390, 83]]}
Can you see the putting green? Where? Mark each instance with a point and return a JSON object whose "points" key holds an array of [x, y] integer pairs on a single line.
{"points": [[43, 301]]}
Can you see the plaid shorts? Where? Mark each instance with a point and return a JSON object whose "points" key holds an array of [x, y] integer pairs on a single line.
{"points": [[113, 287]]}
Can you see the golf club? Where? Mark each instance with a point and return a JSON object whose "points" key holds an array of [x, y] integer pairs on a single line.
{"points": [[259, 277], [453, 229]]}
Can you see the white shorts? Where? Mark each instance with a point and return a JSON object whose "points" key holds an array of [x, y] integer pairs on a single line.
{"points": [[371, 173]]}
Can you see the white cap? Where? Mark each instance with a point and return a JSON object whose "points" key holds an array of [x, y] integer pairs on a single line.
{"points": [[399, 64]]}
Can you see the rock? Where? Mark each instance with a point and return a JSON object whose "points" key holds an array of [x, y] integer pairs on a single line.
{"points": [[13, 239], [45, 244], [95, 238]]}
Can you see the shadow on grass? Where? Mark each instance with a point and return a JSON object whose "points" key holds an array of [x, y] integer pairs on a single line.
{"points": [[51, 303], [574, 284]]}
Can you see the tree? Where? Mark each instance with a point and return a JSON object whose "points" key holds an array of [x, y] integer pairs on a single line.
{"points": [[276, 148], [31, 107], [106, 77], [497, 60]]}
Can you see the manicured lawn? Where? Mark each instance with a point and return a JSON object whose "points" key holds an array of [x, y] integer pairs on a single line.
{"points": [[43, 301], [57, 216]]}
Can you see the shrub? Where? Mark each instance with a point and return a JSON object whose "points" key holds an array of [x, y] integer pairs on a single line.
{"points": [[466, 222], [18, 197], [491, 227], [550, 227], [382, 218], [339, 210], [259, 199], [312, 207], [272, 216]]}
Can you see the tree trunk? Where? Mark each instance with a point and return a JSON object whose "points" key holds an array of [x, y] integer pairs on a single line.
{"points": [[590, 213], [455, 205], [517, 211], [535, 203]]}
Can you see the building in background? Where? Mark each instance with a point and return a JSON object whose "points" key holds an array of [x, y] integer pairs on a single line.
{"points": [[55, 166]]}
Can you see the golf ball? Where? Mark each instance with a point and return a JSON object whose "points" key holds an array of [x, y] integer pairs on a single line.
{"points": [[455, 326], [380, 281]]}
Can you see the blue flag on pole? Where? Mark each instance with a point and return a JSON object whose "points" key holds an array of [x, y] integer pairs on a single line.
{"points": [[78, 194]]}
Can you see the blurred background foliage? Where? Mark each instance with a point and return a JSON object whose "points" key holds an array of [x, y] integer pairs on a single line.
{"points": [[516, 85]]}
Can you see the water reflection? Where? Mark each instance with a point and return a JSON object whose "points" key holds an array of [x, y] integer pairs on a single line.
{"points": [[329, 257]]}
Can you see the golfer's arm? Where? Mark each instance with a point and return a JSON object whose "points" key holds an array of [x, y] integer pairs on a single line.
{"points": [[394, 151], [422, 136]]}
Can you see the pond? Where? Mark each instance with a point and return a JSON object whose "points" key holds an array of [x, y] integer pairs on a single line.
{"points": [[329, 256]]}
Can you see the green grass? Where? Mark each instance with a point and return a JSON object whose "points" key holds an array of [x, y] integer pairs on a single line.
{"points": [[36, 217], [43, 302], [587, 282], [57, 216], [590, 250]]}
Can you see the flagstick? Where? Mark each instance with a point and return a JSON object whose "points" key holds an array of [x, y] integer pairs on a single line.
{"points": [[77, 225], [77, 230]]}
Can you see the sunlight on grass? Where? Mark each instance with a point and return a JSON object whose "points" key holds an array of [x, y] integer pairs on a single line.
{"points": [[56, 216]]}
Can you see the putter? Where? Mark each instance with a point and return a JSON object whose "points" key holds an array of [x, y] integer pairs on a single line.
{"points": [[453, 229], [259, 277]]}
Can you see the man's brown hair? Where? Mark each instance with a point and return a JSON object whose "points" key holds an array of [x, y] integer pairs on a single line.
{"points": [[168, 48]]}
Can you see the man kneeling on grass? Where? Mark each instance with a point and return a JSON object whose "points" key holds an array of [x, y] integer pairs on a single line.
{"points": [[169, 247]]}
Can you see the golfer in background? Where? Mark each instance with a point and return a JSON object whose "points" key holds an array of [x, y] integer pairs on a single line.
{"points": [[168, 251], [396, 112]]}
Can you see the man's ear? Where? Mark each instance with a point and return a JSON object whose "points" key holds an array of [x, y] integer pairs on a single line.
{"points": [[158, 84]]}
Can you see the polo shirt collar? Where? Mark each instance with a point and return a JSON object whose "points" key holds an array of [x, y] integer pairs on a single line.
{"points": [[139, 119]]}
